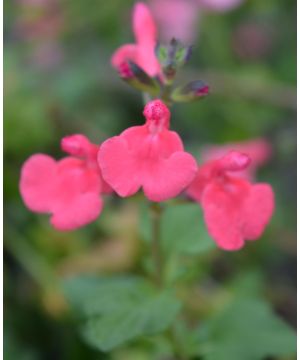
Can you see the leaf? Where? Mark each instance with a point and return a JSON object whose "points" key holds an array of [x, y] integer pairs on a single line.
{"points": [[92, 296], [118, 310], [248, 330], [183, 229]]}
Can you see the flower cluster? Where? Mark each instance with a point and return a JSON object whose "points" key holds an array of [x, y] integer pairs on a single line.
{"points": [[181, 18], [150, 157]]}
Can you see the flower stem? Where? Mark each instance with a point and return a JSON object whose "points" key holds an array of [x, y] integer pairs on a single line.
{"points": [[146, 98], [156, 217], [156, 212], [176, 343]]}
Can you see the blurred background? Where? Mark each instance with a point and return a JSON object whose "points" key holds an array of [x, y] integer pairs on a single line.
{"points": [[58, 81]]}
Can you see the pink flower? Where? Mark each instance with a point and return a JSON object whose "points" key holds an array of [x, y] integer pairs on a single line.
{"points": [[234, 209], [180, 19], [176, 18], [259, 150], [220, 5], [143, 52], [148, 156], [69, 189]]}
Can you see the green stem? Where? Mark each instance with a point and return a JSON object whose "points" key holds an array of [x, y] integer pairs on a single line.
{"points": [[156, 212], [176, 343], [165, 94], [156, 217], [146, 98]]}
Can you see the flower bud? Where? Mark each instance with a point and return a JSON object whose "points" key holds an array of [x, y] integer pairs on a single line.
{"points": [[192, 91], [172, 57], [138, 79]]}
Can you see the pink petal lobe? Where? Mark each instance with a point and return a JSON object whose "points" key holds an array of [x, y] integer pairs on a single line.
{"points": [[168, 177], [78, 145], [119, 167], [123, 54], [220, 5], [234, 161], [202, 178], [162, 144], [176, 19], [146, 59], [76, 178], [143, 52], [77, 199], [37, 183], [222, 213], [258, 210], [81, 210], [144, 27]]}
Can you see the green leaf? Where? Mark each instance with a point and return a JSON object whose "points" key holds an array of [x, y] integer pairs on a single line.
{"points": [[117, 310], [183, 229], [248, 330]]}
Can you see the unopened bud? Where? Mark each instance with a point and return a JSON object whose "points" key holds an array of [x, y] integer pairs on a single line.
{"points": [[172, 57], [138, 78], [192, 91], [125, 71]]}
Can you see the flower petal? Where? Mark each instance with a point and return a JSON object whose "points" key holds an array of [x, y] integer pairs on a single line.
{"points": [[163, 144], [81, 210], [144, 27], [168, 177], [258, 210], [68, 189], [222, 214], [119, 168], [38, 181], [123, 54]]}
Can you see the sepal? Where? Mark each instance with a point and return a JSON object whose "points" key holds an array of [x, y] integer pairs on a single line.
{"points": [[192, 91], [136, 77]]}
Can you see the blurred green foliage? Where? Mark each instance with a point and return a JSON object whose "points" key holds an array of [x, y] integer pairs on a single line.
{"points": [[250, 97]]}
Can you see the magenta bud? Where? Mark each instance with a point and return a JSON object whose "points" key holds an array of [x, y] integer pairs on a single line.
{"points": [[125, 71], [138, 78]]}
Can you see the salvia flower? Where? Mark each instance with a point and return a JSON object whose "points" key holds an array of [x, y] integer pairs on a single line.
{"points": [[234, 209], [69, 189], [148, 156], [143, 52], [176, 18], [219, 5], [259, 150]]}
